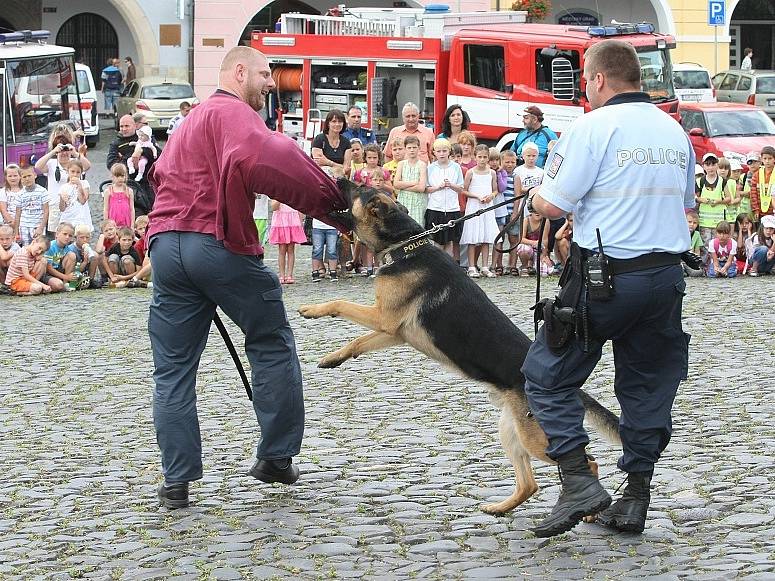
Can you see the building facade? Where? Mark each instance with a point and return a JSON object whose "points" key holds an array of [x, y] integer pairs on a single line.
{"points": [[188, 38]]}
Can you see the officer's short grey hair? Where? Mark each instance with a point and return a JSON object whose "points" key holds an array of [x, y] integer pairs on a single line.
{"points": [[617, 60]]}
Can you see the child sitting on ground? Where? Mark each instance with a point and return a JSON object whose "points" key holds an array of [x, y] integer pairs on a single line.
{"points": [[762, 247], [86, 258], [123, 260], [697, 247], [31, 209], [141, 225], [527, 250], [105, 242], [722, 250], [61, 256], [742, 233], [27, 267], [7, 249], [145, 153]]}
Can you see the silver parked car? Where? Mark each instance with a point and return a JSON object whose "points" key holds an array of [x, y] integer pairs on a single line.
{"points": [[752, 87]]}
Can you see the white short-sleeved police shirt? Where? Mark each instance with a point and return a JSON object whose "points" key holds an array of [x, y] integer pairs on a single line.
{"points": [[626, 168]]}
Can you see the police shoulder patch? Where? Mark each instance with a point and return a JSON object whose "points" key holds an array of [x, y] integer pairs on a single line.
{"points": [[557, 160]]}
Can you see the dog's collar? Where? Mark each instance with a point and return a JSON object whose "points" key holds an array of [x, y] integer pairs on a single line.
{"points": [[402, 250]]}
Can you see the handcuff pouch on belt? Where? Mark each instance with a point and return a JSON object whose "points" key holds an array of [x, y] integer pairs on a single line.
{"points": [[562, 320]]}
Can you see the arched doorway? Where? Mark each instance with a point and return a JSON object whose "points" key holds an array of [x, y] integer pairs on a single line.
{"points": [[752, 25], [265, 19], [93, 38]]}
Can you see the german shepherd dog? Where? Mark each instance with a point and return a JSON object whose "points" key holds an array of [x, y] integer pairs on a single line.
{"points": [[428, 301]]}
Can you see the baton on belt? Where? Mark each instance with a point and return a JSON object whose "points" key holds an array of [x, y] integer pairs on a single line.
{"points": [[233, 352]]}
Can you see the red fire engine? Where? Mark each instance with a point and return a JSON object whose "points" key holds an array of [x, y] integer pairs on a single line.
{"points": [[491, 63]]}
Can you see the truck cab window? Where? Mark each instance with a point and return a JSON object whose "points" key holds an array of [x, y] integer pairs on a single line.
{"points": [[485, 67], [544, 67]]}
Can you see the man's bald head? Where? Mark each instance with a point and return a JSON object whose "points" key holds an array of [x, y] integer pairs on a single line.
{"points": [[245, 73], [126, 126], [243, 55]]}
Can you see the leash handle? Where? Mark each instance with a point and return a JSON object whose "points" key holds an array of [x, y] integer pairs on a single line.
{"points": [[233, 352]]}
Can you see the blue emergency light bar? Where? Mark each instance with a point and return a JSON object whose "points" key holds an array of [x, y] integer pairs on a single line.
{"points": [[24, 36], [621, 29]]}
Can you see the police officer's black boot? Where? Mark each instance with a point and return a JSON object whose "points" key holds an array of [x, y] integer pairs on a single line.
{"points": [[581, 495], [628, 514]]}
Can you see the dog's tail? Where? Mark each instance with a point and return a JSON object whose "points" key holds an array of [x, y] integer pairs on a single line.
{"points": [[602, 419]]}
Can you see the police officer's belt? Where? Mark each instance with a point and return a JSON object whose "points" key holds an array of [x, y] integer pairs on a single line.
{"points": [[642, 262]]}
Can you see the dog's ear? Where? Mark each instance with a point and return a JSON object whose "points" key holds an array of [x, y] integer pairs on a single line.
{"points": [[403, 208], [345, 186]]}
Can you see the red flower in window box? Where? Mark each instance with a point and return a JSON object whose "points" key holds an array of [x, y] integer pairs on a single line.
{"points": [[536, 9]]}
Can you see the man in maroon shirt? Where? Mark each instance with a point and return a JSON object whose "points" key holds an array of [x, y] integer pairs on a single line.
{"points": [[205, 253]]}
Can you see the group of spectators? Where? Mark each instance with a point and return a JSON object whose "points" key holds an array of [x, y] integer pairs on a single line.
{"points": [[733, 226], [438, 178], [48, 241]]}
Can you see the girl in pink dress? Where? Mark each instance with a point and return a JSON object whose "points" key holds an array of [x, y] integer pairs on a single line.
{"points": [[286, 231], [119, 203]]}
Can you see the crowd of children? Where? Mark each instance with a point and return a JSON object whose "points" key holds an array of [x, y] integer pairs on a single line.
{"points": [[733, 226], [46, 232]]}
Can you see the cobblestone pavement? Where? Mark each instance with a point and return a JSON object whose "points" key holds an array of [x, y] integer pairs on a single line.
{"points": [[398, 454]]}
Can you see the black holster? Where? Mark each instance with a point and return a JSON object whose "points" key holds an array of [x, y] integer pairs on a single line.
{"points": [[560, 316]]}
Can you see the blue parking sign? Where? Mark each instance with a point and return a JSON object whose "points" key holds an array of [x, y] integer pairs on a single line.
{"points": [[717, 12]]}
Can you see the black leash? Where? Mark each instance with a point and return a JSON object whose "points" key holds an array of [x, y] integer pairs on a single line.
{"points": [[233, 352], [450, 224]]}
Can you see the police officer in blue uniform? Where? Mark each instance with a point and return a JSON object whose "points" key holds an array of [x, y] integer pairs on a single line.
{"points": [[354, 129], [626, 171]]}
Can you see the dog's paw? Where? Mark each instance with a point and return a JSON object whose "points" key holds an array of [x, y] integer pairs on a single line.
{"points": [[494, 508], [310, 311], [331, 360]]}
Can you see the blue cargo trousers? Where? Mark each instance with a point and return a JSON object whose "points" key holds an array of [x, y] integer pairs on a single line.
{"points": [[643, 321], [192, 274]]}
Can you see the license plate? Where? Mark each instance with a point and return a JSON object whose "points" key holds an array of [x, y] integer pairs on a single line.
{"points": [[164, 121], [695, 98], [770, 102]]}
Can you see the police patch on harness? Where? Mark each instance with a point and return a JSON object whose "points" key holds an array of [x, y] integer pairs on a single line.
{"points": [[555, 166]]}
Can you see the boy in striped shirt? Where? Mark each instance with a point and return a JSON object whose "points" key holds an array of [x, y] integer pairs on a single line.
{"points": [[26, 268]]}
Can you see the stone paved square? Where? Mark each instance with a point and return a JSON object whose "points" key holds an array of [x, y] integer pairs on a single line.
{"points": [[398, 454]]}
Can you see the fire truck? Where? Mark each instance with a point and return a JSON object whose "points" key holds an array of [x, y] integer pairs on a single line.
{"points": [[493, 64]]}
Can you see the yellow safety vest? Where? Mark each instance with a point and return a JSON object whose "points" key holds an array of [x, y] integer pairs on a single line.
{"points": [[765, 190], [710, 216]]}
